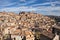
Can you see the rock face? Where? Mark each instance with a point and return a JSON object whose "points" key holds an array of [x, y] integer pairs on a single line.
{"points": [[25, 21]]}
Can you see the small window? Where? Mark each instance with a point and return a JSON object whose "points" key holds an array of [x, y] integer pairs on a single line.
{"points": [[14, 38], [21, 36], [30, 35]]}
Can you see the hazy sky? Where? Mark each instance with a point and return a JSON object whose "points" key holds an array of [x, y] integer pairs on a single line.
{"points": [[46, 7]]}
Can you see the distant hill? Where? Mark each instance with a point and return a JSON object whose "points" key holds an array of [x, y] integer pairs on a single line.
{"points": [[56, 18]]}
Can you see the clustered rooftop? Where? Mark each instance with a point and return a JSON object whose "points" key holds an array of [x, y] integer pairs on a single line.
{"points": [[24, 22]]}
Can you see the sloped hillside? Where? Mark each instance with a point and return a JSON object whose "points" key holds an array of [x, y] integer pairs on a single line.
{"points": [[24, 21], [33, 20]]}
